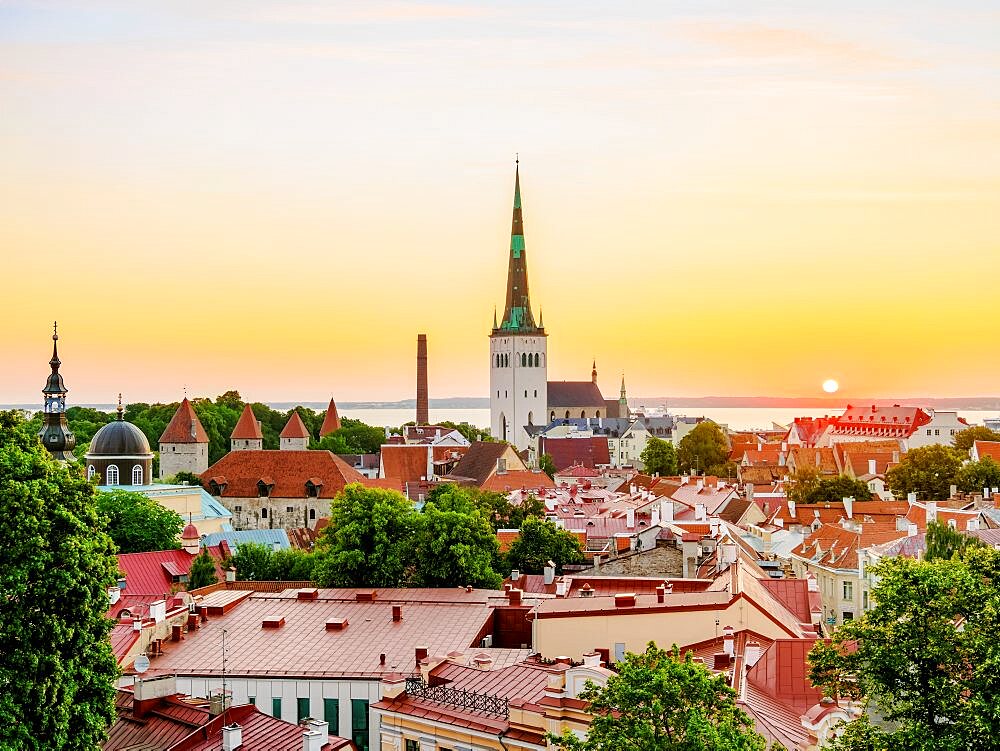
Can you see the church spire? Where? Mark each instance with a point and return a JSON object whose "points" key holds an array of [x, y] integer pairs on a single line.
{"points": [[55, 433], [517, 316]]}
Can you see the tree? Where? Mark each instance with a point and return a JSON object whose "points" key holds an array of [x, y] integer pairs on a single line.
{"points": [[57, 670], [253, 562], [924, 658], [659, 457], [661, 701], [974, 476], [539, 542], [183, 477], [547, 465], [202, 571], [137, 523], [498, 509], [928, 471], [944, 543], [292, 564], [833, 489], [455, 548], [369, 542], [964, 439], [704, 450], [802, 484]]}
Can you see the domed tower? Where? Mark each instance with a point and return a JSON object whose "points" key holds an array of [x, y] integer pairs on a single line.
{"points": [[119, 454], [518, 350], [190, 539], [55, 433]]}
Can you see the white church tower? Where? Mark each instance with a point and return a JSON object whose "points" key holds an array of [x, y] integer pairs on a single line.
{"points": [[518, 365]]}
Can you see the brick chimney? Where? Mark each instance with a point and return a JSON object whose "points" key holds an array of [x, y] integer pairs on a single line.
{"points": [[423, 417]]}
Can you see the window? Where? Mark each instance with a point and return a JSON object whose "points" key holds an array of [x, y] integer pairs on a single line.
{"points": [[359, 723], [928, 431], [312, 513], [263, 513], [848, 616], [536, 392], [524, 360], [237, 508], [937, 432], [848, 590], [137, 474], [276, 706], [90, 471], [302, 707], [412, 745], [526, 393], [263, 489], [536, 360], [597, 414], [864, 600], [289, 509], [252, 700], [331, 713], [583, 414], [111, 475]]}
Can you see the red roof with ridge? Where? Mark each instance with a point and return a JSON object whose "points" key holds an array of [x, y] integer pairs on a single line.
{"points": [[295, 428], [237, 473], [184, 426], [247, 427]]}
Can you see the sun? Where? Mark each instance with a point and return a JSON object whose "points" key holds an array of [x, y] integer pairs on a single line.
{"points": [[830, 386]]}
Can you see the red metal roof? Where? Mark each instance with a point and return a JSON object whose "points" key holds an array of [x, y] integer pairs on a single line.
{"points": [[152, 573]]}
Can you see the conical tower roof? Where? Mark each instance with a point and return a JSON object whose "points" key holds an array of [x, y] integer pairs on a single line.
{"points": [[247, 427], [517, 315], [184, 426], [295, 428], [331, 422]]}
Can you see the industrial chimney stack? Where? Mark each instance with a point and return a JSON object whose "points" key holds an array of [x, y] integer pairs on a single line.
{"points": [[422, 406]]}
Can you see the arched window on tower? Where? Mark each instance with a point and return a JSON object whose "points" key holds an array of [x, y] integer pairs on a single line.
{"points": [[598, 414], [90, 471], [137, 474], [111, 475], [536, 360], [530, 420], [524, 360], [552, 416], [583, 414]]}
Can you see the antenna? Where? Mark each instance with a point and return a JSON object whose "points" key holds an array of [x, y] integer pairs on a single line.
{"points": [[225, 707]]}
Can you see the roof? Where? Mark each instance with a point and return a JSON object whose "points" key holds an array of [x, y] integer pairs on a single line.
{"points": [[566, 452], [235, 538], [480, 461], [184, 426], [883, 421], [988, 448], [294, 428], [153, 573], [238, 472], [793, 594], [406, 463], [834, 546], [331, 421], [504, 482], [563, 394], [119, 438], [442, 620], [247, 427]]}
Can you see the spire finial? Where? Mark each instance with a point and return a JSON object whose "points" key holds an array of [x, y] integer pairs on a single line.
{"points": [[120, 408], [494, 316], [55, 330]]}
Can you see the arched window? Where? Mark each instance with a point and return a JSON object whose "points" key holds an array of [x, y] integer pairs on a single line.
{"points": [[536, 359], [530, 420], [503, 427], [552, 416], [90, 471], [111, 475], [263, 513], [598, 414], [312, 513], [137, 474], [567, 414], [583, 414], [524, 360]]}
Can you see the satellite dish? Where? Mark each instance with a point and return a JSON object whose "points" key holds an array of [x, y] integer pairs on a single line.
{"points": [[141, 664]]}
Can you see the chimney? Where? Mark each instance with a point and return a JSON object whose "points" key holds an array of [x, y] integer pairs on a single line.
{"points": [[813, 584], [514, 597], [397, 613], [791, 509], [232, 737], [550, 573], [316, 736], [911, 498], [952, 491], [699, 512], [849, 506], [872, 467], [667, 511], [230, 574], [700, 484], [660, 592], [895, 457], [752, 653], [654, 517], [630, 518], [420, 653], [515, 575], [728, 643], [592, 659], [423, 417]]}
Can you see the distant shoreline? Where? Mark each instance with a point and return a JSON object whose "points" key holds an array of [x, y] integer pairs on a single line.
{"points": [[834, 404]]}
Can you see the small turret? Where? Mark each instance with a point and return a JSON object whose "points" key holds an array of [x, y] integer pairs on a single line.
{"points": [[55, 433]]}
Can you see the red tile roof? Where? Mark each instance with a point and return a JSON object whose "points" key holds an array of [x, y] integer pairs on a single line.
{"points": [[578, 470], [247, 427], [331, 421], [566, 452], [184, 426], [883, 422], [988, 448], [238, 472], [480, 461], [295, 428], [835, 547], [504, 482], [406, 463], [563, 394]]}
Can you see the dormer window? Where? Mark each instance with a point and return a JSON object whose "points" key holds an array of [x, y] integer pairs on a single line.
{"points": [[263, 489], [313, 487]]}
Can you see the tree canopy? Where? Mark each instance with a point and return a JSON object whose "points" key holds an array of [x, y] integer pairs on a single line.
{"points": [[256, 562], [944, 543], [539, 542], [806, 486], [659, 457], [704, 450], [928, 471], [454, 547], [547, 464], [973, 477], [137, 523], [924, 658], [202, 571], [663, 701], [964, 439], [57, 670]]}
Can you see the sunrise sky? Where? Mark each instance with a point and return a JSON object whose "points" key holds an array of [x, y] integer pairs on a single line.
{"points": [[278, 196]]}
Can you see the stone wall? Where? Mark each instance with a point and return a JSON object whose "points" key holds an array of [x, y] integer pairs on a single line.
{"points": [[662, 561]]}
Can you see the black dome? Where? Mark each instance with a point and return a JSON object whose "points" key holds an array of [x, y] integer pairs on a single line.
{"points": [[119, 438]]}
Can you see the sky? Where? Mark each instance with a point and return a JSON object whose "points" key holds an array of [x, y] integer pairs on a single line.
{"points": [[719, 197]]}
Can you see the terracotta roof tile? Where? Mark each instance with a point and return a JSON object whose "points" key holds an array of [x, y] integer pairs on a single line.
{"points": [[480, 461], [184, 426], [504, 482], [566, 452], [295, 428], [247, 427], [406, 463], [331, 421], [287, 470]]}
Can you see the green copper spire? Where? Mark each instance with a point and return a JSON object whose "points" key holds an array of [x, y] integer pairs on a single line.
{"points": [[517, 316]]}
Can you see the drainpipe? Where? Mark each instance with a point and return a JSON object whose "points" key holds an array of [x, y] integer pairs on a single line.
{"points": [[500, 736]]}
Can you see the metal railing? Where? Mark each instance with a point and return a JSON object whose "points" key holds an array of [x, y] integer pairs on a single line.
{"points": [[457, 697]]}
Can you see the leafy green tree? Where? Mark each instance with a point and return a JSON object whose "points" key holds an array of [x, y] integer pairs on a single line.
{"points": [[498, 509], [369, 542], [659, 457], [547, 465], [539, 542], [455, 548], [334, 443], [833, 489], [944, 543], [183, 477], [928, 471], [661, 701], [57, 670], [802, 484], [964, 439], [137, 523], [704, 450], [924, 658], [202, 571], [292, 564], [975, 476], [253, 562]]}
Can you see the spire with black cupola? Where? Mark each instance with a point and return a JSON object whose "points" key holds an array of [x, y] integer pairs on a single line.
{"points": [[55, 433]]}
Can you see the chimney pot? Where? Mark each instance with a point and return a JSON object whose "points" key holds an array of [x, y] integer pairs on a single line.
{"points": [[397, 613], [420, 653]]}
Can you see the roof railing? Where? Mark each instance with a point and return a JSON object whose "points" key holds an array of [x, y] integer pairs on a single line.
{"points": [[457, 697]]}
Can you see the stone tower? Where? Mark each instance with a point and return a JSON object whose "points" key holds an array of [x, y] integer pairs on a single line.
{"points": [[184, 443], [294, 436], [518, 357], [55, 433]]}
